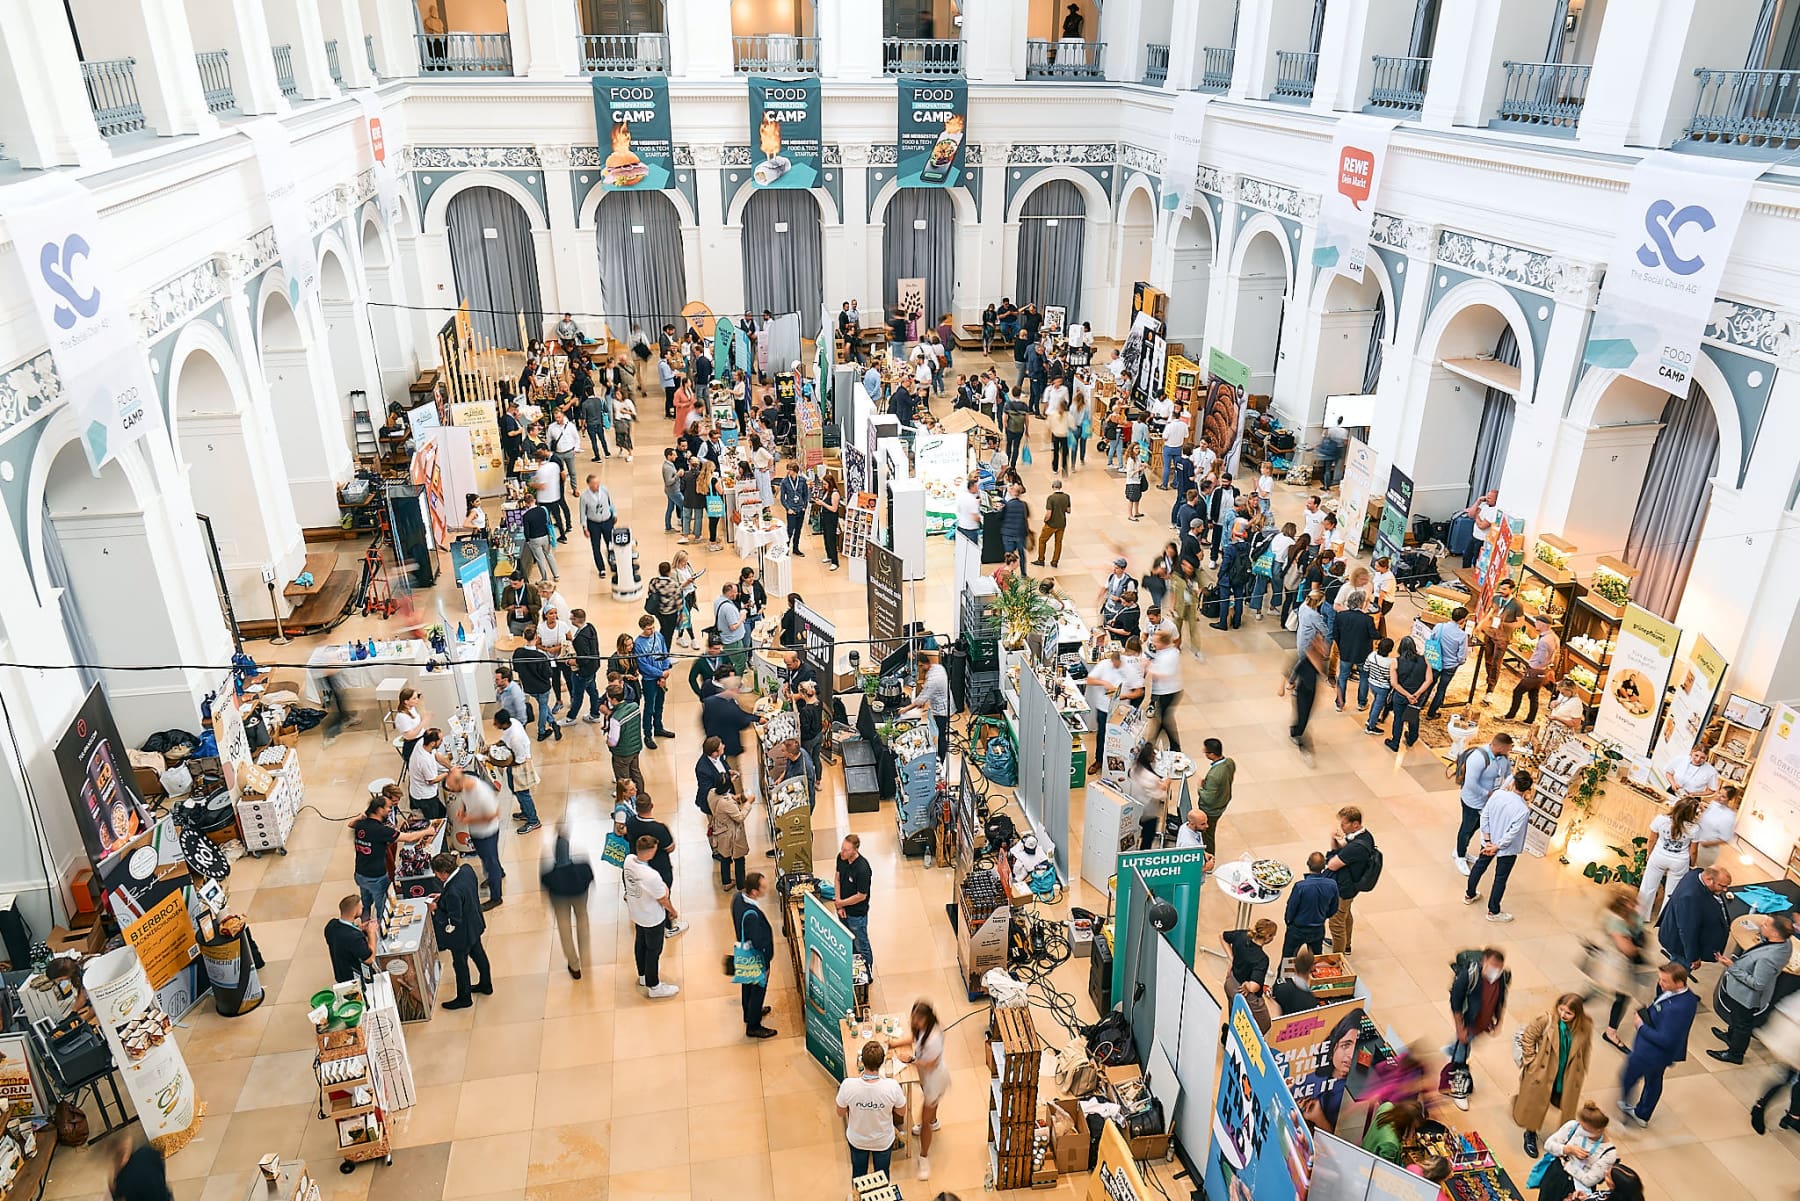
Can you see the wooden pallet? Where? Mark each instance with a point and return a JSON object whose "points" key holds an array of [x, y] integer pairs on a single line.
{"points": [[1012, 1102]]}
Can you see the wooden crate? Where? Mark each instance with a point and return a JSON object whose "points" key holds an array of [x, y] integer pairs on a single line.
{"points": [[1013, 1054]]}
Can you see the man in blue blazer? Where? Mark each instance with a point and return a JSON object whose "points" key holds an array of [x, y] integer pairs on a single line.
{"points": [[1694, 929], [751, 926], [1662, 1038]]}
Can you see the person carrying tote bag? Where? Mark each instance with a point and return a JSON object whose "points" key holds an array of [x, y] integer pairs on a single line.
{"points": [[1576, 1158]]}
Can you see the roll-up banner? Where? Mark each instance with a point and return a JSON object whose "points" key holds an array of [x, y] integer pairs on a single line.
{"points": [[1222, 428], [1643, 655], [1181, 173], [830, 985], [934, 118], [786, 133], [1396, 511], [1680, 218], [142, 1039], [1695, 683], [1347, 204], [631, 118], [102, 787], [1262, 1147]]}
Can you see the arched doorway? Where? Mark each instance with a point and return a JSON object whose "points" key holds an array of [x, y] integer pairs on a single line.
{"points": [[1137, 230], [1190, 289], [784, 251], [918, 241], [395, 366], [1052, 243], [494, 259], [1465, 424], [349, 369], [309, 425], [1349, 347], [643, 272], [1261, 306]]}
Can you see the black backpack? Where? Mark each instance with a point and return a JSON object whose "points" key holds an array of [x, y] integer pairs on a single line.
{"points": [[1109, 1040], [1372, 873]]}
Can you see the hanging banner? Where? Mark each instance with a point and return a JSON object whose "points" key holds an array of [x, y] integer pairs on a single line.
{"points": [[1181, 167], [1390, 535], [1347, 204], [287, 208], [934, 115], [942, 464], [1694, 685], [387, 184], [1771, 806], [84, 310], [101, 785], [818, 647], [1221, 430], [1680, 218], [1354, 491], [631, 118], [142, 1039], [1176, 875], [786, 132], [1643, 655], [829, 987], [1261, 1146]]}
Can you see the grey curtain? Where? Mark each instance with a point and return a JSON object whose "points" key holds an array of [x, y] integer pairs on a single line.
{"points": [[1671, 509], [75, 627], [1377, 343], [784, 272], [497, 274], [1553, 53], [1052, 236], [1762, 37], [1424, 29], [642, 273], [1495, 432], [908, 252], [1318, 26]]}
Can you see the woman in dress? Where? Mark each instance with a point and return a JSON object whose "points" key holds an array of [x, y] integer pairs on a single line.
{"points": [[1553, 1049], [762, 464], [925, 1038], [1134, 482], [831, 509]]}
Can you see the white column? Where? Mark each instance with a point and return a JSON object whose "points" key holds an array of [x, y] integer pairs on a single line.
{"points": [[861, 277], [700, 39], [239, 28], [342, 21], [296, 24], [1403, 373], [992, 274], [1475, 39], [155, 33], [45, 117], [395, 28], [545, 38], [1122, 31], [1265, 26], [849, 40], [1642, 89], [994, 41], [1184, 48], [1537, 414]]}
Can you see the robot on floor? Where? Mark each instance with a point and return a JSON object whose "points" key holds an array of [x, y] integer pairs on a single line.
{"points": [[628, 582]]}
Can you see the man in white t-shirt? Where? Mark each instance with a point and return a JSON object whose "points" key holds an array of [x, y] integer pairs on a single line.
{"points": [[479, 807], [647, 901], [1174, 435], [546, 483], [1165, 689], [425, 771], [872, 1107], [1104, 680], [1313, 521], [1204, 457], [1485, 511]]}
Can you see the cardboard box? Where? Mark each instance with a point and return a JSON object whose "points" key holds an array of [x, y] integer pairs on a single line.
{"points": [[288, 736], [1333, 988], [1148, 1146], [1069, 1141]]}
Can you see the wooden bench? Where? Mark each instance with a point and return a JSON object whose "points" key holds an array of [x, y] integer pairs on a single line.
{"points": [[320, 563]]}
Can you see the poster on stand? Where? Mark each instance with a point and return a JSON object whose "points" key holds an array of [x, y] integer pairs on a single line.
{"points": [[1261, 1147], [631, 119], [1390, 535], [1222, 429], [164, 939], [942, 464], [1643, 655], [101, 784], [1770, 814], [915, 769], [483, 423], [786, 132], [1174, 874], [934, 119], [818, 646], [1347, 203], [1115, 1176], [1181, 170], [910, 296], [1354, 491], [1692, 690], [473, 575], [141, 1036], [887, 609], [829, 987], [1317, 1052]]}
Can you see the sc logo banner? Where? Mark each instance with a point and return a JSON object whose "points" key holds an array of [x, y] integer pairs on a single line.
{"points": [[1663, 222], [57, 263]]}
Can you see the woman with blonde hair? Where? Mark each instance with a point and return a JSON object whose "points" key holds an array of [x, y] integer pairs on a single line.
{"points": [[685, 574], [1553, 1051]]}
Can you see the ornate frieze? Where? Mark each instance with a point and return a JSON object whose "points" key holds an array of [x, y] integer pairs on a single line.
{"points": [[1528, 268], [1761, 331], [734, 156], [1056, 154], [28, 389], [884, 154], [1136, 158], [1272, 198], [449, 158], [175, 301]]}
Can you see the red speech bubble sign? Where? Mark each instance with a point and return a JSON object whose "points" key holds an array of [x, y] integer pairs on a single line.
{"points": [[1355, 175]]}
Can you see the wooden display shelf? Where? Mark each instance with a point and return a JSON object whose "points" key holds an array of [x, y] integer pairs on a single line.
{"points": [[320, 563], [1545, 571]]}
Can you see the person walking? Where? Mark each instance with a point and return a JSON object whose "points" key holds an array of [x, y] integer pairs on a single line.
{"points": [[730, 843], [1503, 822], [1553, 1051], [1311, 903], [1313, 644], [1234, 577], [536, 525], [1478, 988], [567, 880], [923, 1047], [457, 919], [536, 673], [1780, 1036], [1582, 1160], [795, 498], [1015, 524], [1165, 684], [647, 901], [1056, 524], [1613, 958], [852, 902], [481, 818], [598, 518], [1661, 1042], [624, 735], [596, 416], [1748, 986], [1411, 679], [1214, 795], [1355, 864], [1480, 771], [584, 645], [754, 931], [521, 770], [1671, 852], [872, 1106], [1453, 651]]}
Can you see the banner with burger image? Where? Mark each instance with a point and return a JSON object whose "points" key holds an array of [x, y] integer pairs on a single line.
{"points": [[786, 133], [934, 115], [631, 113]]}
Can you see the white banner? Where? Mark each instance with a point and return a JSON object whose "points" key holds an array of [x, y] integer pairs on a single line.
{"points": [[287, 208], [85, 312], [1359, 154], [1696, 682], [1643, 655], [1680, 218], [1771, 807], [1353, 493], [387, 184], [1181, 171], [142, 1039]]}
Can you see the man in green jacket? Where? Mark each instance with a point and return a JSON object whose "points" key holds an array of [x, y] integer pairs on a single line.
{"points": [[1215, 790]]}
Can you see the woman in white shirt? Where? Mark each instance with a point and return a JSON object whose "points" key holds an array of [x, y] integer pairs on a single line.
{"points": [[475, 520], [409, 724], [1150, 790], [1383, 587], [925, 1037], [1718, 826], [556, 638], [1671, 852]]}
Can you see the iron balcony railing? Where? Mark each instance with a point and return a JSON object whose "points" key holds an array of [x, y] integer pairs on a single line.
{"points": [[369, 52], [1066, 59], [625, 53], [1754, 110], [921, 56], [1216, 67], [113, 95], [465, 53], [1295, 72], [331, 62], [1399, 84], [1545, 96], [284, 71], [215, 80], [1156, 64], [774, 54]]}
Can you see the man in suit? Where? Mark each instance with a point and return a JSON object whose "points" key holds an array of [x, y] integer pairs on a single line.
{"points": [[1693, 929], [456, 915], [711, 774], [752, 927], [1662, 1037], [1748, 988]]}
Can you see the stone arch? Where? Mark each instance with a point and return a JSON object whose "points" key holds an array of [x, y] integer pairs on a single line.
{"points": [[1596, 394], [734, 213], [966, 215], [1264, 223], [1194, 254], [307, 419], [1262, 285], [585, 219], [1099, 204], [1135, 240], [1480, 292], [435, 220]]}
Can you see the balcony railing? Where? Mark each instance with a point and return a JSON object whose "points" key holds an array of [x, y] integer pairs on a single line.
{"points": [[775, 54], [465, 53], [1399, 84], [1752, 110], [1156, 64], [369, 53], [215, 80], [1216, 67], [921, 56], [625, 53], [331, 62], [284, 71], [1067, 59], [1295, 71], [113, 95], [1546, 97]]}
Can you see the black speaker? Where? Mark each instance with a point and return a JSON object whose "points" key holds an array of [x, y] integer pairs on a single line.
{"points": [[412, 551], [1100, 974]]}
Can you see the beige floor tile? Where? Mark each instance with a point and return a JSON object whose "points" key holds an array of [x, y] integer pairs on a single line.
{"points": [[432, 1117], [741, 1178], [588, 1188], [498, 1105], [565, 1153], [647, 1142], [581, 1094], [503, 1050], [488, 1164], [663, 1184], [734, 1128], [577, 1040]]}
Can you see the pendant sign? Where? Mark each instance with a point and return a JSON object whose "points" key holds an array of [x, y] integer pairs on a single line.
{"points": [[786, 133], [934, 118]]}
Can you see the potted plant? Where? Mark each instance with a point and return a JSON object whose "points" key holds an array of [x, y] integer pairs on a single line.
{"points": [[1022, 609], [1606, 757]]}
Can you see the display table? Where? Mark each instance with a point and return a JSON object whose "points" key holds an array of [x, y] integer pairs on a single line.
{"points": [[406, 659], [409, 955], [904, 1074], [1236, 880], [28, 1182]]}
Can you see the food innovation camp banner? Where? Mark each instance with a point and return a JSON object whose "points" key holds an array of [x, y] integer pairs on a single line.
{"points": [[934, 115], [786, 133], [631, 113]]}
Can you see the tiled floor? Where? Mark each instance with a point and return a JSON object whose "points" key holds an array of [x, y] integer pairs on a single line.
{"points": [[557, 1090]]}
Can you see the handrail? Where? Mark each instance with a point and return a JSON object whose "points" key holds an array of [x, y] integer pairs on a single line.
{"points": [[284, 70], [775, 53], [1296, 71], [215, 80], [1756, 110], [1069, 58], [625, 53], [921, 56], [113, 95], [465, 53], [1546, 95], [1216, 68], [1399, 83], [1156, 64]]}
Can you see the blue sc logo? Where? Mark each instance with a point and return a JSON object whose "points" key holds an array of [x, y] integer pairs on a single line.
{"points": [[1664, 223], [56, 263]]}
